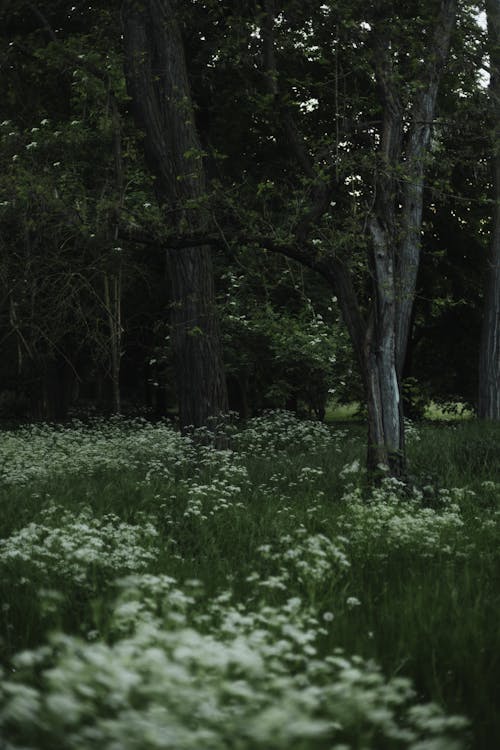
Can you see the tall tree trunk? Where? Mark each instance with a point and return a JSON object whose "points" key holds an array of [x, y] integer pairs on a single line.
{"points": [[386, 445], [395, 253], [385, 409], [196, 337], [395, 224], [158, 84], [380, 371], [489, 356]]}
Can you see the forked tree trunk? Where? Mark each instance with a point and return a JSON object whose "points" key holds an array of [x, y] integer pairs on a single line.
{"points": [[380, 337], [158, 84], [395, 253], [489, 355]]}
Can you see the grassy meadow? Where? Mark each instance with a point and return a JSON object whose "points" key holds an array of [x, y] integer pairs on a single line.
{"points": [[159, 593]]}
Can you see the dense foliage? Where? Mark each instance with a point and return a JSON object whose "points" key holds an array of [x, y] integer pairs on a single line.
{"points": [[84, 308]]}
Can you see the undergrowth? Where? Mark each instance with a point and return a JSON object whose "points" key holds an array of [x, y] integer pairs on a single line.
{"points": [[158, 593]]}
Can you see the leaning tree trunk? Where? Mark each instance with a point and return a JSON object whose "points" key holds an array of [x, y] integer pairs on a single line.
{"points": [[489, 355], [158, 84]]}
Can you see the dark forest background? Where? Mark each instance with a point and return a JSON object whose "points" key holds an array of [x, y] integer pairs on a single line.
{"points": [[86, 237]]}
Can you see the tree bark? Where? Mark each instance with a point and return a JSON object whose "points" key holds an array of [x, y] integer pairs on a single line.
{"points": [[489, 356], [386, 445], [380, 373], [385, 410], [158, 84]]}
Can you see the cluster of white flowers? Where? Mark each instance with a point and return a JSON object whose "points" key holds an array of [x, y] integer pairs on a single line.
{"points": [[41, 451], [230, 678], [391, 520], [222, 493], [174, 667], [312, 559], [62, 546], [279, 431]]}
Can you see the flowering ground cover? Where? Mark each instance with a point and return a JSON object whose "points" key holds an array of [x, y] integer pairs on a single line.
{"points": [[158, 593]]}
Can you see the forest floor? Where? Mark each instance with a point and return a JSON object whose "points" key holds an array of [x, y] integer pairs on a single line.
{"points": [[157, 593]]}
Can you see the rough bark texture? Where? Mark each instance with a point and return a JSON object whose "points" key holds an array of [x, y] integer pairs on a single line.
{"points": [[489, 358], [158, 85], [385, 415]]}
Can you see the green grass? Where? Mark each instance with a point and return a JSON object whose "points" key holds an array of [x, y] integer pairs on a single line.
{"points": [[460, 454], [420, 597], [454, 411], [341, 412]]}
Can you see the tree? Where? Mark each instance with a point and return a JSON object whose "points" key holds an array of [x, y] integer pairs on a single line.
{"points": [[158, 85], [356, 187], [299, 129], [489, 358], [394, 222]]}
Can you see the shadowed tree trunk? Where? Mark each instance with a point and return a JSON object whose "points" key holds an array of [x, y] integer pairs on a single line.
{"points": [[489, 356], [158, 85]]}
